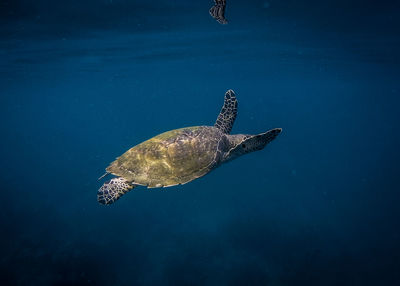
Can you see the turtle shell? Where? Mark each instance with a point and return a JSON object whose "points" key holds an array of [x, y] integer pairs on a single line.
{"points": [[174, 157]]}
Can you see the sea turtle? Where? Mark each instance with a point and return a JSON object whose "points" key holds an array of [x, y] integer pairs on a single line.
{"points": [[218, 11], [181, 155]]}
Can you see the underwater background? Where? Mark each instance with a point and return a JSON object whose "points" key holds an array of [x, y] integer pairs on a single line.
{"points": [[83, 81]]}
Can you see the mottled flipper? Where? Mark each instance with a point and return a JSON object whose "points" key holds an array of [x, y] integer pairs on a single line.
{"points": [[258, 142], [113, 190], [228, 113], [218, 11], [250, 143]]}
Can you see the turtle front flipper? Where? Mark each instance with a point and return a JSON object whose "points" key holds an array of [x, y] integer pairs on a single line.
{"points": [[112, 190], [258, 142], [228, 113], [218, 11], [243, 144]]}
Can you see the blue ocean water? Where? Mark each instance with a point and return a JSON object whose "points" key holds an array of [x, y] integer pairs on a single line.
{"points": [[83, 81]]}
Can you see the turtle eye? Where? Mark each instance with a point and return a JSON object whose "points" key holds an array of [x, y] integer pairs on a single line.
{"points": [[243, 145]]}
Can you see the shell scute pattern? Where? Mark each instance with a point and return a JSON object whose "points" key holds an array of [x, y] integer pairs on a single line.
{"points": [[171, 158]]}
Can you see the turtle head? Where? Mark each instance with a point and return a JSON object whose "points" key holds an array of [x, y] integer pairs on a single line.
{"points": [[241, 144]]}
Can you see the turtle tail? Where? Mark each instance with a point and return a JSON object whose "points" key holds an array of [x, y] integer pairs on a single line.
{"points": [[112, 190]]}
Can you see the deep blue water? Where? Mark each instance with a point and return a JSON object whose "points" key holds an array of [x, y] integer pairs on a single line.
{"points": [[83, 81]]}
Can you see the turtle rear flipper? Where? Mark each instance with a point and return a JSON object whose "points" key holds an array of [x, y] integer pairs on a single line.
{"points": [[112, 190]]}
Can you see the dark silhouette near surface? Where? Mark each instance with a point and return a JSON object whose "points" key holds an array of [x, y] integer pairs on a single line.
{"points": [[218, 11]]}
